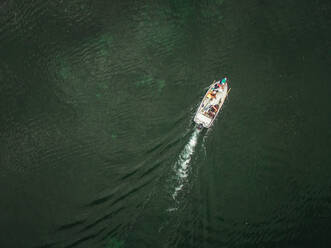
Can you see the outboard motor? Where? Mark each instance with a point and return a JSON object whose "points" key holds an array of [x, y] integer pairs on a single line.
{"points": [[200, 126]]}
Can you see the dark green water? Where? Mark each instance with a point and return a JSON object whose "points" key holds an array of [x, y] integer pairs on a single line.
{"points": [[97, 145]]}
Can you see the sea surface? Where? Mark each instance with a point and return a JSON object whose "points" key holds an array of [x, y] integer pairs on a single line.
{"points": [[97, 144]]}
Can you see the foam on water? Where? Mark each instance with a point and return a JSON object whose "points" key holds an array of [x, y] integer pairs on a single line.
{"points": [[181, 166]]}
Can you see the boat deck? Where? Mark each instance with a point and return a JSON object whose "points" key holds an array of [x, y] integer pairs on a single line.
{"points": [[202, 116]]}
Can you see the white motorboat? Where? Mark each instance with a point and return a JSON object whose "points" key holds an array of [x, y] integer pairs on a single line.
{"points": [[211, 103]]}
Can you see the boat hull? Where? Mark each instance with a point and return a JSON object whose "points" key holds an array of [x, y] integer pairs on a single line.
{"points": [[203, 116]]}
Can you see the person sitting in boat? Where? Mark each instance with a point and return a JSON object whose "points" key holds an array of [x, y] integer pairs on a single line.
{"points": [[214, 108], [211, 114], [211, 94], [223, 82], [216, 86]]}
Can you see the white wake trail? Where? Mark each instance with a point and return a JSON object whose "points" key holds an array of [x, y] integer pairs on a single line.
{"points": [[181, 166]]}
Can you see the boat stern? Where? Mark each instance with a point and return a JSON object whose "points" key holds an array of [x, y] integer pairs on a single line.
{"points": [[203, 120]]}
